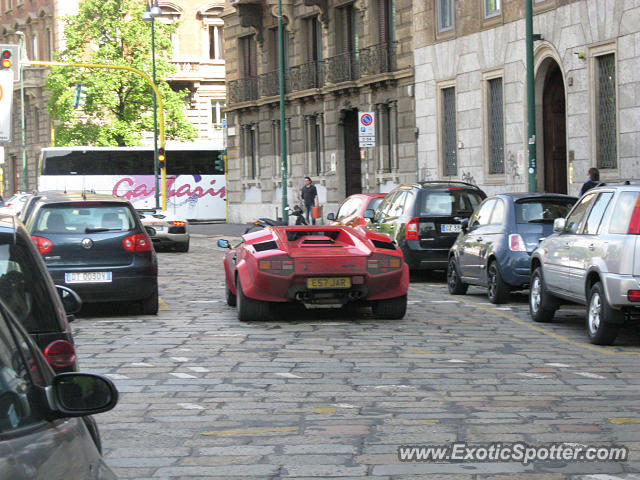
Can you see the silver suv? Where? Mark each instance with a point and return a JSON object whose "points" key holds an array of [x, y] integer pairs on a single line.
{"points": [[593, 258]]}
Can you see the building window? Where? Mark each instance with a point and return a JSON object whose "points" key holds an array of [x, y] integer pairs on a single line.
{"points": [[449, 135], [343, 67], [47, 44], [386, 136], [496, 126], [491, 8], [314, 143], [217, 115], [216, 42], [250, 154], [34, 48], [607, 151], [445, 15], [317, 135], [8, 5]]}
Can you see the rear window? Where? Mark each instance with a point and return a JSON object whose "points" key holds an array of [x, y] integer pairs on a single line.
{"points": [[623, 209], [542, 211], [84, 218], [448, 202]]}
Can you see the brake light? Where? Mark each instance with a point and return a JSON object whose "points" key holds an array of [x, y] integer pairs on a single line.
{"points": [[633, 295], [44, 244], [280, 265], [379, 263], [138, 242], [411, 232], [453, 188], [516, 244], [60, 354], [634, 223], [177, 223]]}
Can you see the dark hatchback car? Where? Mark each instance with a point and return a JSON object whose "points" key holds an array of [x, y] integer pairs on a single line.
{"points": [[424, 219], [96, 244], [42, 435], [495, 246]]}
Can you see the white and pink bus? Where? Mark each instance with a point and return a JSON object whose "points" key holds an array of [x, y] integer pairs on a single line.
{"points": [[196, 187]]}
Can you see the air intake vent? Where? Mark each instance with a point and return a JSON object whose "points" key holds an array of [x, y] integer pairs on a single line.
{"points": [[320, 241], [381, 244], [270, 245]]}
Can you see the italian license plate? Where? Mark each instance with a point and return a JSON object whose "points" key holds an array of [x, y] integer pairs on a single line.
{"points": [[87, 277], [329, 282], [450, 228]]}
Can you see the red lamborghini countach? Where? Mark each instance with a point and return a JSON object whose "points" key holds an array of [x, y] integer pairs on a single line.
{"points": [[318, 266]]}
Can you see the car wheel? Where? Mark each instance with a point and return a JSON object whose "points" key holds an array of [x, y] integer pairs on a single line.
{"points": [[454, 283], [497, 291], [183, 247], [231, 298], [392, 308], [603, 322], [149, 306], [249, 309], [542, 305]]}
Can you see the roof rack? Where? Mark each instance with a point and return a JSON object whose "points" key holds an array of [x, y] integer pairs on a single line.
{"points": [[423, 182]]}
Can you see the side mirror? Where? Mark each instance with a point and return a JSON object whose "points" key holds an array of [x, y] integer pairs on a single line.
{"points": [[150, 231], [70, 300], [79, 394], [224, 243], [559, 225], [331, 216], [369, 214]]}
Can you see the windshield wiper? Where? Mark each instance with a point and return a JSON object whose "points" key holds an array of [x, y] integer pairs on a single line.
{"points": [[541, 220]]}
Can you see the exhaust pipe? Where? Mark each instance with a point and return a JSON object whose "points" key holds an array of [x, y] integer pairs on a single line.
{"points": [[355, 295]]}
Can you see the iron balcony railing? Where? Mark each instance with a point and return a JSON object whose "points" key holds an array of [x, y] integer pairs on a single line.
{"points": [[344, 67]]}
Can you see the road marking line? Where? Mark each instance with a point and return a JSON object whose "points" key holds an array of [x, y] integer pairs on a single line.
{"points": [[182, 375], [536, 328], [252, 431], [325, 410], [190, 406], [590, 375], [162, 305], [623, 420], [287, 375]]}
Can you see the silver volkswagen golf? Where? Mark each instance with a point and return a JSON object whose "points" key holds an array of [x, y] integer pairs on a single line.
{"points": [[593, 258]]}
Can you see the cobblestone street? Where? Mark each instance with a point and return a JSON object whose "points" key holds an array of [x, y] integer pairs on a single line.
{"points": [[321, 394]]}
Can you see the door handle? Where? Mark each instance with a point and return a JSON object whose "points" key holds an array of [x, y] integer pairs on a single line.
{"points": [[592, 247], [478, 239], [566, 245]]}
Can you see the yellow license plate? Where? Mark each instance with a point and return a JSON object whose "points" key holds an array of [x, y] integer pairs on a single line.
{"points": [[329, 282]]}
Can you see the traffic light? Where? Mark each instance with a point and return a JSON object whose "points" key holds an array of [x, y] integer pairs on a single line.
{"points": [[80, 96], [162, 158], [218, 163], [10, 60]]}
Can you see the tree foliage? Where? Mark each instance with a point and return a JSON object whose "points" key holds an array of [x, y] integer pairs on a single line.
{"points": [[119, 104]]}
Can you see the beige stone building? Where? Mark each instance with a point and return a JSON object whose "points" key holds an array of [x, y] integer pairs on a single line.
{"points": [[198, 56], [342, 58], [471, 98]]}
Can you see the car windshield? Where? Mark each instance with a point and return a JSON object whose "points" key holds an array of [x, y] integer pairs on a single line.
{"points": [[449, 202], [543, 210], [84, 218]]}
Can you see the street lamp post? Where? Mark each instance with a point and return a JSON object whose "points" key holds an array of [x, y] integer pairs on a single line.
{"points": [[149, 16], [22, 119]]}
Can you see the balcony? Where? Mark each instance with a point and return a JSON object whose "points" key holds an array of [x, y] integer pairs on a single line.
{"points": [[345, 67]]}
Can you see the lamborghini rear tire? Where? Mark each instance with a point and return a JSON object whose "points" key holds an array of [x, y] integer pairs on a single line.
{"points": [[392, 308], [250, 310]]}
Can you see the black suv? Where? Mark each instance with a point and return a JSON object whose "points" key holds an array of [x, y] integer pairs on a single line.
{"points": [[97, 244], [424, 219]]}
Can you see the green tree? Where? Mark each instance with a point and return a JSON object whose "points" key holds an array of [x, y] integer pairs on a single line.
{"points": [[119, 104]]}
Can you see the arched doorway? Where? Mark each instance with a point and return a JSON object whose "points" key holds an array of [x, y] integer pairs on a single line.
{"points": [[554, 131]]}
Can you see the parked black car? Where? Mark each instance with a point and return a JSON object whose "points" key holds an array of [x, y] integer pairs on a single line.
{"points": [[97, 244], [424, 219], [495, 246], [41, 436]]}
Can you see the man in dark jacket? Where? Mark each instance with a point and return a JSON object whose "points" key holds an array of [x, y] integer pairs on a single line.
{"points": [[309, 196], [593, 179]]}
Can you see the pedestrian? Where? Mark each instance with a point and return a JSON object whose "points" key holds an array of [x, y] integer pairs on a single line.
{"points": [[593, 179], [309, 196]]}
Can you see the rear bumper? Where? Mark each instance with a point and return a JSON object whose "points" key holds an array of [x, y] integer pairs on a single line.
{"points": [[516, 269], [419, 258], [128, 283], [616, 288]]}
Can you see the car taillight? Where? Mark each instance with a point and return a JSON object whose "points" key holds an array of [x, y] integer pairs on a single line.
{"points": [[516, 244], [176, 223], [137, 242], [411, 232], [634, 223], [44, 244], [379, 263], [280, 265], [60, 354], [633, 295]]}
